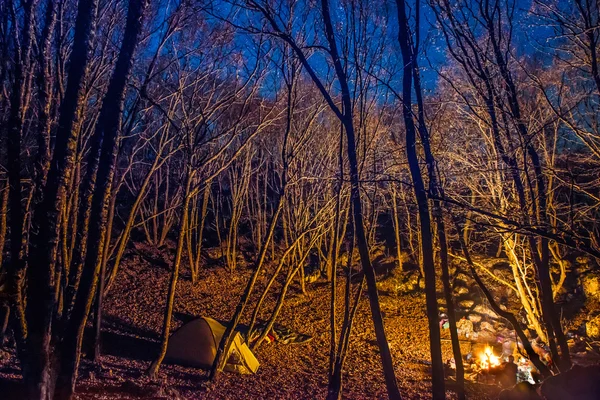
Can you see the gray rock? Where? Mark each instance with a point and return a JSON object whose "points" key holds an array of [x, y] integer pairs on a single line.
{"points": [[464, 327]]}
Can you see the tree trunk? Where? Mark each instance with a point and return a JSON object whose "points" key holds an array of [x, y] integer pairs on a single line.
{"points": [[437, 189], [227, 339], [404, 37], [361, 239], [154, 367], [3, 220], [39, 369], [107, 128]]}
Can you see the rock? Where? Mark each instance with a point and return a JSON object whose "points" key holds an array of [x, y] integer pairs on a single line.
{"points": [[464, 327], [486, 326], [214, 253], [462, 278], [461, 290], [466, 304], [399, 282], [485, 310], [486, 336], [590, 283], [474, 317], [592, 327]]}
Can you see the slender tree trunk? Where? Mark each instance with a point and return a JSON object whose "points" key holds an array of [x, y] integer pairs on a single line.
{"points": [[14, 132], [437, 189], [396, 224], [227, 339], [123, 240], [346, 119], [408, 56], [154, 367], [361, 239], [203, 211]]}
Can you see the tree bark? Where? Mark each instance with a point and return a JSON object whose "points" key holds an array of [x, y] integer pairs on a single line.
{"points": [[39, 369], [438, 390], [107, 128], [154, 367]]}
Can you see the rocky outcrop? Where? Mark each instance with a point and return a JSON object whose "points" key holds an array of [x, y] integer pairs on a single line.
{"points": [[400, 282]]}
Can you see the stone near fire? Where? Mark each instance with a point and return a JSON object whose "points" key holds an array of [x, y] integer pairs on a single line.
{"points": [[486, 326], [485, 310], [464, 327], [461, 290], [474, 317]]}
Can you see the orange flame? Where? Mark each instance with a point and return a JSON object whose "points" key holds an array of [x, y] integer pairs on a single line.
{"points": [[488, 359]]}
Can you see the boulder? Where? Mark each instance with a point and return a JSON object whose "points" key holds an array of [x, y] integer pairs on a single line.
{"points": [[590, 283], [461, 278], [486, 326], [399, 282], [461, 290], [214, 253], [592, 327], [485, 311], [466, 304], [474, 317], [464, 327]]}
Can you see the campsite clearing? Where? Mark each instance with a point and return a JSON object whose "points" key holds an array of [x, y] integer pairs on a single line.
{"points": [[296, 371]]}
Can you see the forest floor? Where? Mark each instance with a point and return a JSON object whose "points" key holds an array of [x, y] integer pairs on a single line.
{"points": [[134, 317]]}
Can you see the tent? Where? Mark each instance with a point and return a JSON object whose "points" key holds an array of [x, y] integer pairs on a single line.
{"points": [[195, 344]]}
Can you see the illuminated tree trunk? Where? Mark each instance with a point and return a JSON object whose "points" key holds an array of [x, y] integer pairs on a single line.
{"points": [[404, 37], [346, 119], [436, 190], [227, 339], [535, 359]]}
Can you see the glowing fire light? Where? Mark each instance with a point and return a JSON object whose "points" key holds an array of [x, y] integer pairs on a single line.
{"points": [[488, 359]]}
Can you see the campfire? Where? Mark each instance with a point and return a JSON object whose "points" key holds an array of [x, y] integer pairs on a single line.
{"points": [[488, 359]]}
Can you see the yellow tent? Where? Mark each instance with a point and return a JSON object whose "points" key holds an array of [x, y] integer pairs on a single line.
{"points": [[195, 345]]}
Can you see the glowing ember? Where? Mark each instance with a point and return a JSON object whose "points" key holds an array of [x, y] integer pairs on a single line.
{"points": [[488, 359]]}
